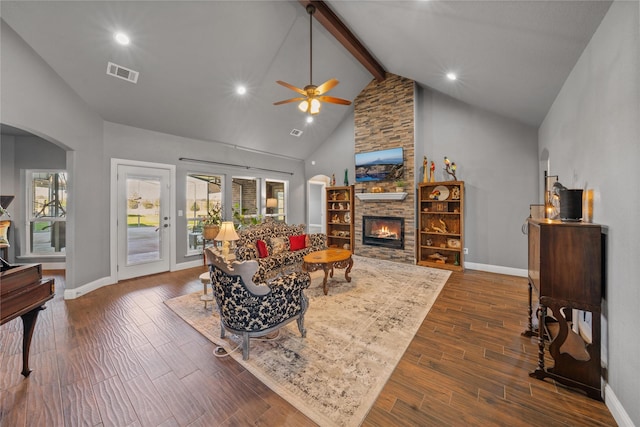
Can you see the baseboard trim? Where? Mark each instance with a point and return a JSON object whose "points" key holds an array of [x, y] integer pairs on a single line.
{"points": [[187, 265], [89, 287], [496, 269], [616, 408], [106, 281]]}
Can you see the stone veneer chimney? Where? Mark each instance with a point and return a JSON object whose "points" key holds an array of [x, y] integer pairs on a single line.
{"points": [[384, 118]]}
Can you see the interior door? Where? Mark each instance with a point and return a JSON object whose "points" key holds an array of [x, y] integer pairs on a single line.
{"points": [[144, 222]]}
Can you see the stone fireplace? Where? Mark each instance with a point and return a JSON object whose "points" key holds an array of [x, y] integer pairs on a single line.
{"points": [[384, 118], [385, 231]]}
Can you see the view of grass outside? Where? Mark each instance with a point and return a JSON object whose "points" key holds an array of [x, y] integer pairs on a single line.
{"points": [[139, 220]]}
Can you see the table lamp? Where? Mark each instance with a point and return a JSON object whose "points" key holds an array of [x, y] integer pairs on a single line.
{"points": [[272, 204], [227, 233]]}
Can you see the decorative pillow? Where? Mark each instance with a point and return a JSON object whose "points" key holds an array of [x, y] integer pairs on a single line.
{"points": [[278, 245], [307, 241], [297, 242], [263, 251]]}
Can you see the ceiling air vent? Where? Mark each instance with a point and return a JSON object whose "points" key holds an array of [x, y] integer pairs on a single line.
{"points": [[121, 72], [296, 132]]}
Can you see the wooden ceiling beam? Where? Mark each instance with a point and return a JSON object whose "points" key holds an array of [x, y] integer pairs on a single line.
{"points": [[339, 30]]}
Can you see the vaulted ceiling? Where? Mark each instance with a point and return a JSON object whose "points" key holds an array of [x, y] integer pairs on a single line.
{"points": [[511, 58]]}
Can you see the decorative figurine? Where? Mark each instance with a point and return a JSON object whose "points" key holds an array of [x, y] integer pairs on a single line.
{"points": [[333, 179], [450, 167], [432, 173], [425, 166], [346, 177]]}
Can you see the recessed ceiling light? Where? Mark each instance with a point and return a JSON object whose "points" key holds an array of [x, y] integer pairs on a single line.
{"points": [[122, 38], [452, 76], [241, 90], [309, 119]]}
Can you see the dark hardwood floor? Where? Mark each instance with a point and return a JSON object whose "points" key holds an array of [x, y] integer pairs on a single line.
{"points": [[119, 357]]}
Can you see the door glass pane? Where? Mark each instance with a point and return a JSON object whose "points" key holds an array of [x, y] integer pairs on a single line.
{"points": [[143, 219]]}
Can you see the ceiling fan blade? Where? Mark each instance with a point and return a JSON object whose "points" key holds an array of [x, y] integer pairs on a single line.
{"points": [[326, 86], [333, 100], [286, 101], [292, 87]]}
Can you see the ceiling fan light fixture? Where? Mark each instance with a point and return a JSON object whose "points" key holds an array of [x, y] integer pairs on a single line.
{"points": [[312, 95], [315, 106]]}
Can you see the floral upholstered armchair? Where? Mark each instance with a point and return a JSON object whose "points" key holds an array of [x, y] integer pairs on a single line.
{"points": [[251, 310]]}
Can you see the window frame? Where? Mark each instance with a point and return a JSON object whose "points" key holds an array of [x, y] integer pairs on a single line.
{"points": [[30, 207]]}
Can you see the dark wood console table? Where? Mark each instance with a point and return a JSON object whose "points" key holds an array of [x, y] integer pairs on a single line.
{"points": [[566, 271], [23, 293]]}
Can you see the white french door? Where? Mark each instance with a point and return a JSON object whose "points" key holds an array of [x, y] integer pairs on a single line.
{"points": [[144, 232]]}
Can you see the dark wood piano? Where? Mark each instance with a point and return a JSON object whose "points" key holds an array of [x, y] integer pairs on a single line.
{"points": [[23, 293]]}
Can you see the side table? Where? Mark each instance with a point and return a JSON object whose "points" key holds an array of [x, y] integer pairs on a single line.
{"points": [[206, 296]]}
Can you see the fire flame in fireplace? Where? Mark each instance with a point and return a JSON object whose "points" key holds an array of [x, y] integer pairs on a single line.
{"points": [[385, 233]]}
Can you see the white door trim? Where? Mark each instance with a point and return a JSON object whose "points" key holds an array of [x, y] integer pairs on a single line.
{"points": [[113, 211]]}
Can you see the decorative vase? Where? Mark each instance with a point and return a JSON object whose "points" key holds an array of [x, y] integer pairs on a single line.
{"points": [[346, 177]]}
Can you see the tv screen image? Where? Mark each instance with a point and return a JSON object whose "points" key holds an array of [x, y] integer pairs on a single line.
{"points": [[381, 165]]}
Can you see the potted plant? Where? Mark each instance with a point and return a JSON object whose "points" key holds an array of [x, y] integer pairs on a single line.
{"points": [[400, 185], [211, 222]]}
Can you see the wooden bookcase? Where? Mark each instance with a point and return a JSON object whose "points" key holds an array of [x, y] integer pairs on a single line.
{"points": [[441, 225], [340, 217]]}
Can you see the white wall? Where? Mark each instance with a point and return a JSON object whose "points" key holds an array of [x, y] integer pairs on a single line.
{"points": [[592, 133]]}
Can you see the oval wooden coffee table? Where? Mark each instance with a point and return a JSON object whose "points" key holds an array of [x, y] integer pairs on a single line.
{"points": [[327, 260]]}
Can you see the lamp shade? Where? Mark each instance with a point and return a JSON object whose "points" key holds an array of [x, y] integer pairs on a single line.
{"points": [[227, 232], [272, 203]]}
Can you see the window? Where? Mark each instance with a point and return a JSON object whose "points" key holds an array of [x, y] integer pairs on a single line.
{"points": [[245, 201], [46, 210], [203, 193], [275, 199]]}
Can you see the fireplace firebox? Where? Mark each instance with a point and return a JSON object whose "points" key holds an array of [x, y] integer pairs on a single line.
{"points": [[385, 231]]}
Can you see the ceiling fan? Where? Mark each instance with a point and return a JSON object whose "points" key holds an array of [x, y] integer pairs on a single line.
{"points": [[312, 95]]}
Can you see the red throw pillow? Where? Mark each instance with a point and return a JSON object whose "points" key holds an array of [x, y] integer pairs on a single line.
{"points": [[297, 242], [263, 252]]}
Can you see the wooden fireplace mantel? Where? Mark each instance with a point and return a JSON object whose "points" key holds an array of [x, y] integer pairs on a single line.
{"points": [[376, 197]]}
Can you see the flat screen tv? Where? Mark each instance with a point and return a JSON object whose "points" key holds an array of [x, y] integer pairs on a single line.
{"points": [[381, 165]]}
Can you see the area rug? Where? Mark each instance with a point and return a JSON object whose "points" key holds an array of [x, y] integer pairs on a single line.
{"points": [[355, 337]]}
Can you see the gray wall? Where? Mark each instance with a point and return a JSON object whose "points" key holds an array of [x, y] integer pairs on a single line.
{"points": [[336, 154], [125, 142], [20, 153], [496, 158], [592, 133], [36, 99]]}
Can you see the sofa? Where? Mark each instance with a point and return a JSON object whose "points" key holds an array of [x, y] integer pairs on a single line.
{"points": [[251, 309], [277, 247]]}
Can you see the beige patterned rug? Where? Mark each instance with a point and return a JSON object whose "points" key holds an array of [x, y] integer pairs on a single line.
{"points": [[355, 337]]}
